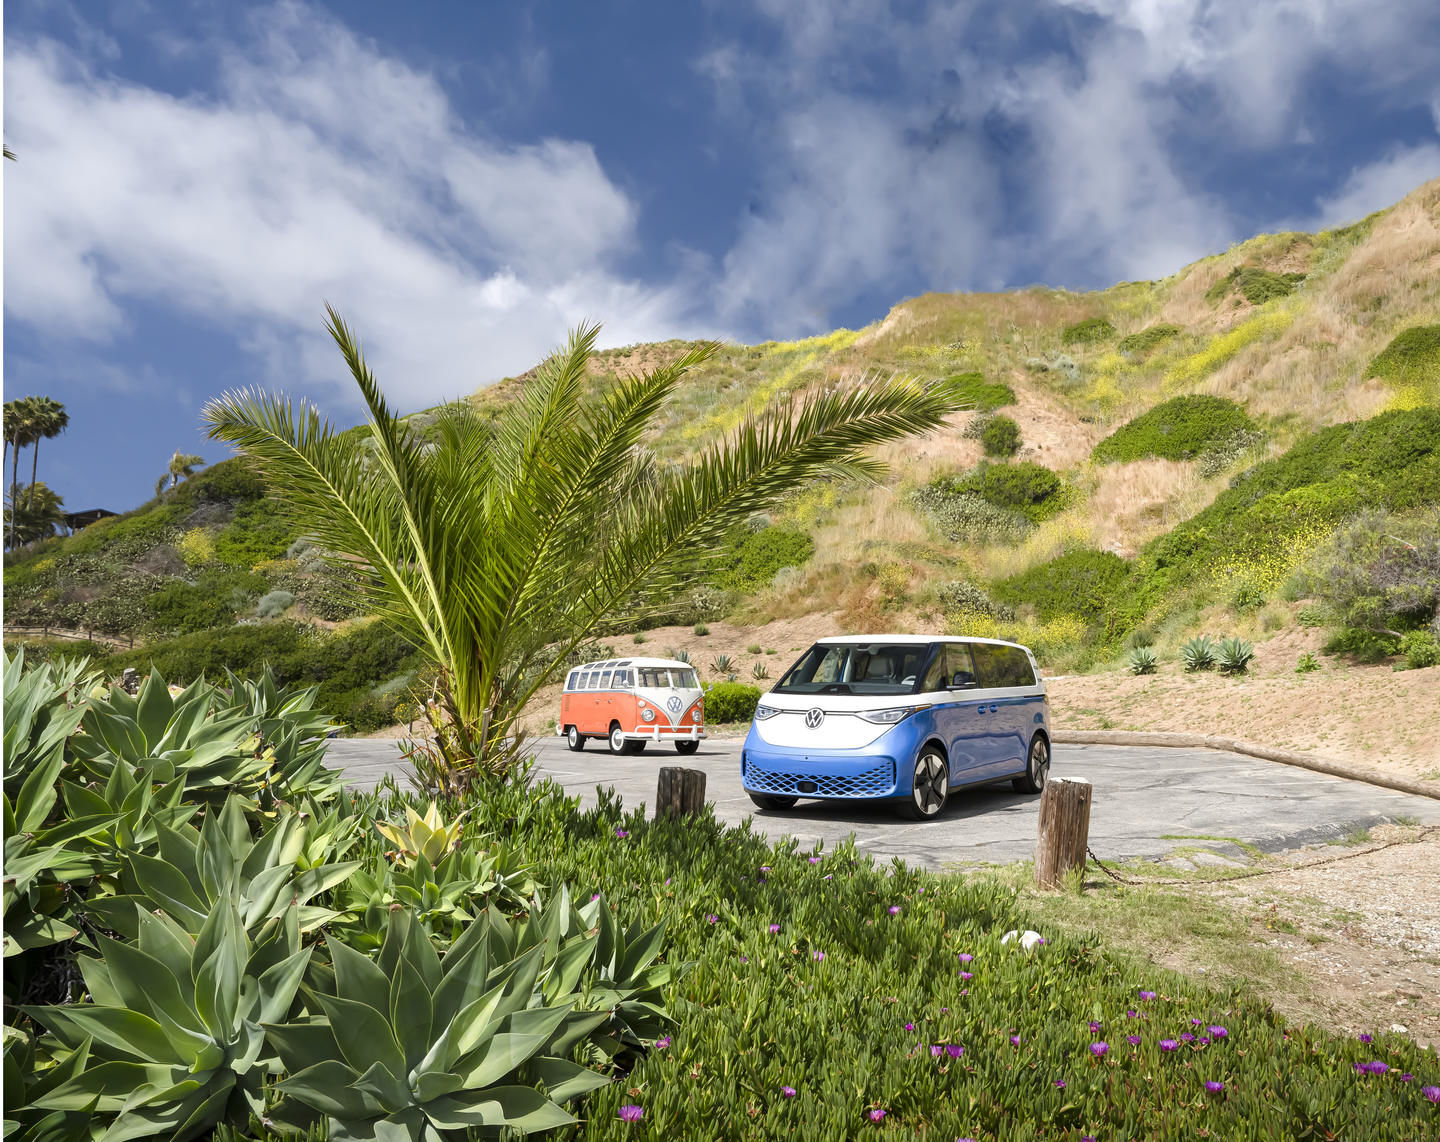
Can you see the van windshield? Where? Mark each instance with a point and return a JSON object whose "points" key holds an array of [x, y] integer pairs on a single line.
{"points": [[671, 678], [856, 668]]}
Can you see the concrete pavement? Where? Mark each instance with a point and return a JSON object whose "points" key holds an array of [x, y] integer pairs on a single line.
{"points": [[1147, 801]]}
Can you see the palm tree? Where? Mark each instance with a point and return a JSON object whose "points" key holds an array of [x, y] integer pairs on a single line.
{"points": [[51, 420], [41, 512], [498, 547], [20, 430], [181, 467]]}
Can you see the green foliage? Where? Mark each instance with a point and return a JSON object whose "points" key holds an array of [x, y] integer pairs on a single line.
{"points": [[212, 600], [1082, 582], [1028, 490], [701, 630], [1198, 653], [1412, 359], [1182, 428], [1087, 332], [256, 533], [748, 559], [957, 595], [1313, 615], [1000, 436], [1246, 599], [1234, 655], [1366, 647], [1139, 637], [1307, 664], [273, 604], [723, 664], [730, 702], [1142, 660], [1380, 571], [1139, 344], [964, 516], [975, 392], [1421, 649], [1256, 284], [760, 672]]}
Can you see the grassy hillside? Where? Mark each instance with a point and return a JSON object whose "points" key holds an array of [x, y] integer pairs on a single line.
{"points": [[1184, 447]]}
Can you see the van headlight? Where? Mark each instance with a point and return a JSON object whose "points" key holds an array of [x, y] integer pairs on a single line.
{"points": [[648, 714], [889, 717], [763, 712]]}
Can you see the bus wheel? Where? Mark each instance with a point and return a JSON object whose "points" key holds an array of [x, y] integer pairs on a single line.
{"points": [[618, 744], [574, 738], [633, 747], [770, 801], [686, 747]]}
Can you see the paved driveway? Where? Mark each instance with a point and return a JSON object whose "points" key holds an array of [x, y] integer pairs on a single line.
{"points": [[1147, 801]]}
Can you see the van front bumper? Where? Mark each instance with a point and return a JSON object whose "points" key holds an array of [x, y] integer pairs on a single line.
{"points": [[838, 774]]}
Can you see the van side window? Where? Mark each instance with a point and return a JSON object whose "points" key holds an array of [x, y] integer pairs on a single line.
{"points": [[605, 680], [1018, 671], [570, 681], [592, 679], [936, 675], [959, 666], [1001, 666], [622, 679]]}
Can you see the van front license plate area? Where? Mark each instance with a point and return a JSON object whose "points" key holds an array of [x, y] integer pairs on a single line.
{"points": [[859, 781]]}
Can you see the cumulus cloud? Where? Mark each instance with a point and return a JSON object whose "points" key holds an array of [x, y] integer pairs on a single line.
{"points": [[319, 170], [1377, 185]]}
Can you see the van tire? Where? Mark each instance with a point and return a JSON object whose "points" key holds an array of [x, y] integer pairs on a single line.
{"points": [[616, 738], [770, 801], [686, 747], [929, 786], [574, 738], [1037, 768], [633, 747]]}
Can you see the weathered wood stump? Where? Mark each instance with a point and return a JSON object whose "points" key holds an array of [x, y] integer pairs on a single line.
{"points": [[1064, 830], [681, 792]]}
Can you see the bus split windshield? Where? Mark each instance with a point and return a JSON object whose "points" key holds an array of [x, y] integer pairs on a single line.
{"points": [[856, 668], [660, 678]]}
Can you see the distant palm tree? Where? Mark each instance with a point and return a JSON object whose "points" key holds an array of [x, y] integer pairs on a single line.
{"points": [[51, 420], [499, 547], [20, 428], [41, 511], [181, 467]]}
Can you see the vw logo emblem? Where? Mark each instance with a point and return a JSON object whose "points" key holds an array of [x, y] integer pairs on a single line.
{"points": [[673, 703], [814, 717]]}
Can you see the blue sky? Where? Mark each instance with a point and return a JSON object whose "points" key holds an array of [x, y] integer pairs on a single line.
{"points": [[466, 181]]}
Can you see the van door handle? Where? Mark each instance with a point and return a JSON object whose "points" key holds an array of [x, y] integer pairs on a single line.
{"points": [[994, 708]]}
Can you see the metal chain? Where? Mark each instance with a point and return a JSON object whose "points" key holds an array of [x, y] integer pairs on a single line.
{"points": [[1115, 876]]}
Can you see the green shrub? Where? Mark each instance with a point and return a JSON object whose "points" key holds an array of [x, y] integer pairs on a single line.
{"points": [[748, 560], [1140, 637], [273, 604], [1255, 284], [1198, 653], [1421, 649], [1000, 437], [957, 595], [1080, 582], [1412, 358], [1142, 660], [1234, 655], [1307, 664], [1138, 344], [255, 534], [1027, 489], [1178, 429], [231, 481], [753, 648], [1087, 332], [701, 629], [1247, 598], [1363, 646], [730, 702], [969, 517], [981, 395]]}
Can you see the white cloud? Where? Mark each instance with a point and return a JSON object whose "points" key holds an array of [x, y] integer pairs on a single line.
{"points": [[321, 170], [1378, 185]]}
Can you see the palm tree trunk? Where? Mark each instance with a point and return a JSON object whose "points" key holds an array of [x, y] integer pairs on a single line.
{"points": [[14, 479], [34, 464]]}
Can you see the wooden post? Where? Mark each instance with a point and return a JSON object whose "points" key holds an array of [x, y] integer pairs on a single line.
{"points": [[1064, 830], [681, 792]]}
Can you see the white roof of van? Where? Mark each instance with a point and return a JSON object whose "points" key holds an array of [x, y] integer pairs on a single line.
{"points": [[908, 639], [608, 663]]}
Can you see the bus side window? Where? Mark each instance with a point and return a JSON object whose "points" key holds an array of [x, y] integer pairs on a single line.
{"points": [[605, 680], [591, 679], [570, 681], [622, 680]]}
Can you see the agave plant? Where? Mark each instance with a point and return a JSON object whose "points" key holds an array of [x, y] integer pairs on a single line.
{"points": [[499, 546], [291, 732], [1198, 653], [171, 1043], [40, 716], [417, 1046], [429, 836], [1235, 655], [26, 1081], [1142, 660], [679, 654], [723, 664], [760, 672]]}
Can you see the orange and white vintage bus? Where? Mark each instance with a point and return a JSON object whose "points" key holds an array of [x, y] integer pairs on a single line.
{"points": [[632, 702]]}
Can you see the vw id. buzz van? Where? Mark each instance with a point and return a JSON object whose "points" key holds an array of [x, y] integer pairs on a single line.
{"points": [[902, 717], [632, 702]]}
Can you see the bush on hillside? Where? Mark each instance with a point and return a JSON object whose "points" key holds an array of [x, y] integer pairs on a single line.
{"points": [[1027, 489], [212, 600], [1380, 571], [1000, 437], [964, 516], [748, 559], [255, 534], [730, 702], [1412, 358], [956, 596], [1138, 344], [1255, 284], [981, 395], [1081, 582], [1178, 429], [1087, 332]]}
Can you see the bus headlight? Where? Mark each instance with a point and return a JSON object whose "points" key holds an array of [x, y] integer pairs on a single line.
{"points": [[648, 714]]}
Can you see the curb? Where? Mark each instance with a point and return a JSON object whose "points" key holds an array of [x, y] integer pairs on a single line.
{"points": [[1283, 756]]}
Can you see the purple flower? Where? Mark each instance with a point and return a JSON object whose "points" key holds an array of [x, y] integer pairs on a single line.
{"points": [[764, 868], [1367, 1038], [819, 956], [1059, 1084], [1360, 1068], [1094, 1026], [894, 909], [1431, 1092], [712, 917], [935, 1050], [877, 1115], [954, 1050], [788, 1091], [661, 1044], [1147, 995], [814, 860], [621, 834], [1376, 1067], [595, 896], [631, 1113], [1203, 1040], [1133, 1040], [774, 928], [744, 959], [909, 1026], [1099, 1049], [1217, 1032], [1187, 1037], [1014, 1040], [1132, 1015], [965, 957], [1213, 1087], [1087, 1138], [966, 975], [1169, 1045], [1407, 1077], [828, 876], [1196, 1022]]}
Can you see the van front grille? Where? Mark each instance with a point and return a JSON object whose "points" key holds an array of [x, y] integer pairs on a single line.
{"points": [[876, 782]]}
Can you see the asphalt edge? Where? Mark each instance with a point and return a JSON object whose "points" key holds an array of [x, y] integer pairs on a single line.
{"points": [[1308, 761]]}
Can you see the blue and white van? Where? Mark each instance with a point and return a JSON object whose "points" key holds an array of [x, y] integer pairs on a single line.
{"points": [[901, 717]]}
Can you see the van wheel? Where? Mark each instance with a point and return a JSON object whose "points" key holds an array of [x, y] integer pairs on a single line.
{"points": [[686, 747], [928, 788], [618, 744], [769, 801], [1037, 768], [574, 738], [634, 747]]}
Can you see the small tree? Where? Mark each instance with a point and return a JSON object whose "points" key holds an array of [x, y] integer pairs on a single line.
{"points": [[1000, 436], [181, 467]]}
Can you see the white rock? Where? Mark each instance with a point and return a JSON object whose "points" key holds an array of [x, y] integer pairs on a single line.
{"points": [[1399, 1030]]}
